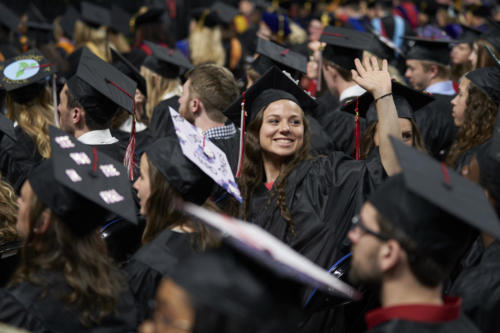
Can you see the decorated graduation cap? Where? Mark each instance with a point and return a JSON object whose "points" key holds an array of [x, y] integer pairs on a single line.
{"points": [[252, 275], [81, 185], [120, 20], [8, 18], [24, 77], [436, 50], [192, 162], [487, 79], [407, 101], [95, 77], [270, 87], [271, 53], [225, 12], [170, 63], [435, 206], [343, 45], [95, 15], [127, 68], [469, 35], [7, 127], [68, 20]]}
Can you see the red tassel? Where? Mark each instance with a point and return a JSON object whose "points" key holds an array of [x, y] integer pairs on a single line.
{"points": [[94, 164], [357, 135], [446, 175], [242, 136], [128, 159]]}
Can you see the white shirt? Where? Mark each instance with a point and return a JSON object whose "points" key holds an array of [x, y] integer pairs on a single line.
{"points": [[177, 91], [353, 91], [126, 126], [442, 88], [98, 137]]}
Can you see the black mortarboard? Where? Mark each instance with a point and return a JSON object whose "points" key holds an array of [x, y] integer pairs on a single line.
{"points": [[68, 21], [8, 18], [41, 33], [7, 127], [487, 79], [383, 47], [24, 76], [492, 36], [283, 57], [469, 35], [436, 50], [170, 63], [105, 79], [130, 70], [407, 101], [81, 184], [225, 12], [95, 15], [488, 159], [151, 15], [270, 87], [429, 202], [191, 183], [35, 15], [344, 45], [120, 20], [205, 17]]}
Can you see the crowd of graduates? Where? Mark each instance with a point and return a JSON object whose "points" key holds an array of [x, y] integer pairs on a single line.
{"points": [[250, 166]]}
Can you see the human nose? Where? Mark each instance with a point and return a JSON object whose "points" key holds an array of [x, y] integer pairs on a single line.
{"points": [[284, 126]]}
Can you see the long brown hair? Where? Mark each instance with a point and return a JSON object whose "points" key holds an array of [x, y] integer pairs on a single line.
{"points": [[95, 283], [162, 212], [157, 86], [483, 57], [368, 142], [8, 212], [252, 174], [479, 120], [34, 117]]}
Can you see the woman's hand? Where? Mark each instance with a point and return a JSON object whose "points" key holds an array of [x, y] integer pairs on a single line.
{"points": [[371, 78]]}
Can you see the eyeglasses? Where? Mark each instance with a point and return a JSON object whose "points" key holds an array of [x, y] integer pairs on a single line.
{"points": [[357, 223]]}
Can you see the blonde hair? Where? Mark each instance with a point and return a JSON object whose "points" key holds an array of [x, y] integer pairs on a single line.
{"points": [[34, 117], [95, 39], [8, 212], [205, 46], [157, 86]]}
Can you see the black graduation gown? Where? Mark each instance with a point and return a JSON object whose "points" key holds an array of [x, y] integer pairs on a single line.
{"points": [[321, 142], [435, 123], [152, 262], [161, 122], [460, 325], [465, 158], [479, 287], [17, 158], [23, 306], [142, 138]]}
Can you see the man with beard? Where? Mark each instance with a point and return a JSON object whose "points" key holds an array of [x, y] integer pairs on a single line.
{"points": [[407, 239]]}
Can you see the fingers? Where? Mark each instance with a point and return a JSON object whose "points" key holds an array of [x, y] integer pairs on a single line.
{"points": [[384, 65], [374, 63], [367, 65], [359, 67]]}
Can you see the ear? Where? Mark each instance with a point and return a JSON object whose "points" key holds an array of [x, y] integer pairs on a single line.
{"points": [[77, 115], [43, 223], [434, 71], [389, 255], [195, 105]]}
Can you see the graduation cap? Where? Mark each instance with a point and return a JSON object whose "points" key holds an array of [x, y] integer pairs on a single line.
{"points": [[271, 53], [170, 63], [35, 15], [278, 23], [343, 45], [225, 12], [24, 76], [383, 47], [272, 259], [479, 10], [270, 87], [95, 15], [469, 35], [81, 184], [492, 36], [435, 206], [487, 79], [407, 101], [7, 127], [120, 20], [105, 79], [436, 50], [126, 67], [68, 21], [149, 15], [205, 17], [41, 33], [8, 18]]}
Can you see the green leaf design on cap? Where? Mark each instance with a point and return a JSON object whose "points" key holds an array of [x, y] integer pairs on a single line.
{"points": [[22, 67]]}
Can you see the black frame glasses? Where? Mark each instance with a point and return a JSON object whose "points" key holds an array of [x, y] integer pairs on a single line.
{"points": [[357, 223]]}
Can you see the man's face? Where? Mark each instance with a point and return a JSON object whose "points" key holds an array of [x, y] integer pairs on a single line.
{"points": [[64, 113], [185, 103], [365, 248], [419, 78]]}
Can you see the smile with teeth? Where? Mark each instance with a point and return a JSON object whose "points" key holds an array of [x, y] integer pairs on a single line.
{"points": [[284, 141]]}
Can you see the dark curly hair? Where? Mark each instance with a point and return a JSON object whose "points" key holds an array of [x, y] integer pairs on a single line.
{"points": [[253, 169], [479, 121]]}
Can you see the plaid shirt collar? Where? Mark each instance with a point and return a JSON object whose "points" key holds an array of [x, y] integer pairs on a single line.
{"points": [[222, 132]]}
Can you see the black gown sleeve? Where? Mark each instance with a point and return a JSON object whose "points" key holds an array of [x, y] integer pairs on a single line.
{"points": [[14, 313]]}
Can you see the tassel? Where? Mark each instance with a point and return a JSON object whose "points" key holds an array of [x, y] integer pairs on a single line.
{"points": [[357, 137], [242, 136], [128, 159]]}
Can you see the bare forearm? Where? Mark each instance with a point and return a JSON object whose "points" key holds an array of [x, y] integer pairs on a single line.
{"points": [[388, 125]]}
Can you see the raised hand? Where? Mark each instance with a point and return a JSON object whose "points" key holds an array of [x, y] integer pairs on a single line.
{"points": [[370, 77]]}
